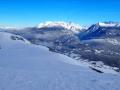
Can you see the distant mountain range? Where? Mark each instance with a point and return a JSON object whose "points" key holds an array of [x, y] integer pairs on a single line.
{"points": [[98, 45]]}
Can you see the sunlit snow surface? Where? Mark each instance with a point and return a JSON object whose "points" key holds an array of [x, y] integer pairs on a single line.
{"points": [[28, 67]]}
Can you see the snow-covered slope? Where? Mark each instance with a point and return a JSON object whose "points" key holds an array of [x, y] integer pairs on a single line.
{"points": [[28, 67]]}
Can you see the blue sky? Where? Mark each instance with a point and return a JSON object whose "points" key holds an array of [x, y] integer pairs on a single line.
{"points": [[23, 13]]}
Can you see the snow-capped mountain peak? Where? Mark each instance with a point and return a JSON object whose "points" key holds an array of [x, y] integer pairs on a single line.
{"points": [[70, 26]]}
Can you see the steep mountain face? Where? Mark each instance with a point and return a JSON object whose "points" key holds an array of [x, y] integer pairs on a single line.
{"points": [[104, 40], [99, 43], [101, 30]]}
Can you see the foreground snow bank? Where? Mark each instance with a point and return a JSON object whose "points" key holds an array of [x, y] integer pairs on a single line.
{"points": [[27, 67]]}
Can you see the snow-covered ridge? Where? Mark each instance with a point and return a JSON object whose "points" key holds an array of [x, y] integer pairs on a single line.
{"points": [[63, 24], [6, 38], [7, 27], [70, 26], [109, 24]]}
